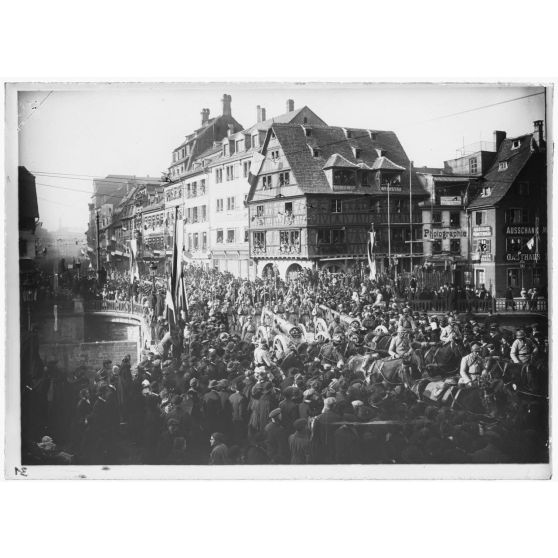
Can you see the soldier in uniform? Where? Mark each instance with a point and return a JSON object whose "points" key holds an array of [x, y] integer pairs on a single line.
{"points": [[400, 346], [331, 352], [471, 366], [522, 348]]}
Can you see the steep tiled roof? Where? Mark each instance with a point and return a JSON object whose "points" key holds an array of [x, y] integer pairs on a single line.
{"points": [[331, 140], [339, 161], [500, 181], [285, 118], [383, 163]]}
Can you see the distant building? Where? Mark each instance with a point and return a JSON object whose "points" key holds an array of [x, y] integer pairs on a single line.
{"points": [[321, 189], [508, 217], [28, 213], [446, 238]]}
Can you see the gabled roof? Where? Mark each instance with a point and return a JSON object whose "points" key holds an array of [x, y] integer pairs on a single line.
{"points": [[500, 181], [286, 118], [383, 163], [339, 161], [333, 144]]}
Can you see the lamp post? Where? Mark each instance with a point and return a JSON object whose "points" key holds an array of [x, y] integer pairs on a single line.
{"points": [[29, 294], [78, 267]]}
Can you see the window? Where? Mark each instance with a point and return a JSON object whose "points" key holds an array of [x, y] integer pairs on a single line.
{"points": [[454, 218], [289, 241], [218, 176], [202, 187], [349, 134], [316, 152], [196, 241], [436, 246], [219, 205], [473, 165], [230, 236], [398, 206], [517, 216], [324, 236], [514, 278], [239, 145], [502, 166], [284, 178], [259, 241], [204, 241], [516, 144], [226, 149], [479, 277], [266, 182], [188, 190], [342, 177], [246, 168], [338, 236], [194, 189], [246, 234], [308, 132], [486, 191], [230, 204], [480, 218], [255, 141], [219, 237], [259, 211], [373, 135], [455, 246], [437, 218], [229, 172], [194, 215], [357, 152], [336, 206], [203, 217], [275, 155], [289, 208], [513, 245], [365, 180]]}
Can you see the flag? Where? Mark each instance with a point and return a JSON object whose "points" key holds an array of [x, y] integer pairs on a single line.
{"points": [[371, 258], [255, 166], [134, 271], [531, 243], [176, 270]]}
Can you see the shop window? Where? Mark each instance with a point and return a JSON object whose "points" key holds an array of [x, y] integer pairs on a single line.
{"points": [[436, 246]]}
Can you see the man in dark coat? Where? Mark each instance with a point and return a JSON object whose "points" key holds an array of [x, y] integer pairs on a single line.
{"points": [[276, 439], [324, 426]]}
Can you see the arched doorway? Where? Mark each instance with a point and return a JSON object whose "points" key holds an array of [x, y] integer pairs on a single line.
{"points": [[293, 270], [267, 271]]}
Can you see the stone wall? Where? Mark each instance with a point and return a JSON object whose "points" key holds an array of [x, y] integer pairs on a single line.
{"points": [[91, 355]]}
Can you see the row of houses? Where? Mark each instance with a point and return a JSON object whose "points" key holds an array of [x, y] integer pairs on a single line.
{"points": [[291, 192]]}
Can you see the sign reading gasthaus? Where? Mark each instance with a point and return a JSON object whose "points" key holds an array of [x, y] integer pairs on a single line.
{"points": [[441, 234]]}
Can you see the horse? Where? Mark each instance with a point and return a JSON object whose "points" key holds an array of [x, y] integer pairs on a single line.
{"points": [[443, 359], [380, 343], [396, 372]]}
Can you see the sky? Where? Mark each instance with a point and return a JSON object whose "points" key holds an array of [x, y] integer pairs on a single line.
{"points": [[87, 131]]}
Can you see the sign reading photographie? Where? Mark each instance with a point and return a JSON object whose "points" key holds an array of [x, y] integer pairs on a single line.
{"points": [[442, 234]]}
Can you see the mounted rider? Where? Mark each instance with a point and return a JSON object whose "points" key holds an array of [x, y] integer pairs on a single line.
{"points": [[522, 348], [451, 332], [406, 321], [401, 346], [471, 366], [332, 352]]}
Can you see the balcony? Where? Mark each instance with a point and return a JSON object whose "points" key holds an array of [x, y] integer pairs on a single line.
{"points": [[397, 218], [280, 220], [279, 251]]}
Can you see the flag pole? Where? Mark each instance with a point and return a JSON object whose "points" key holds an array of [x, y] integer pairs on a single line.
{"points": [[389, 230], [411, 215]]}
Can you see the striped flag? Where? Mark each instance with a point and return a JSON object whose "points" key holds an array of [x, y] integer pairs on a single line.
{"points": [[371, 258]]}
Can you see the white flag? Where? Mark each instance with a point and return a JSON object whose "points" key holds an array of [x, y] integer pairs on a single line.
{"points": [[531, 243], [371, 258]]}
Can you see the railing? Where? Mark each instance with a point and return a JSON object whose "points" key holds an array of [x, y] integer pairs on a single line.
{"points": [[480, 306], [121, 306]]}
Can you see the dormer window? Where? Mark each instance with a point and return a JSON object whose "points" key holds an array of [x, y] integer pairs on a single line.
{"points": [[357, 152], [373, 135], [308, 132], [316, 152], [502, 166], [486, 191], [305, 120], [255, 141], [516, 144], [349, 134], [381, 152]]}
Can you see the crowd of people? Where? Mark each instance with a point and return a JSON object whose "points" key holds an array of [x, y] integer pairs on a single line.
{"points": [[213, 388]]}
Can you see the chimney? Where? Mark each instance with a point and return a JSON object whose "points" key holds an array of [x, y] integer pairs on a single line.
{"points": [[499, 137], [227, 105], [538, 124], [205, 116], [290, 105], [260, 114]]}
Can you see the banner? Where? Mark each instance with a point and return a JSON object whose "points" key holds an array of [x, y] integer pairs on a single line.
{"points": [[371, 258]]}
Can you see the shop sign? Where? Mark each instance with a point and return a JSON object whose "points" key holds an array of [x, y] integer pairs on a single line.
{"points": [[390, 188], [486, 258], [442, 234], [482, 231], [523, 257], [525, 230], [450, 200]]}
